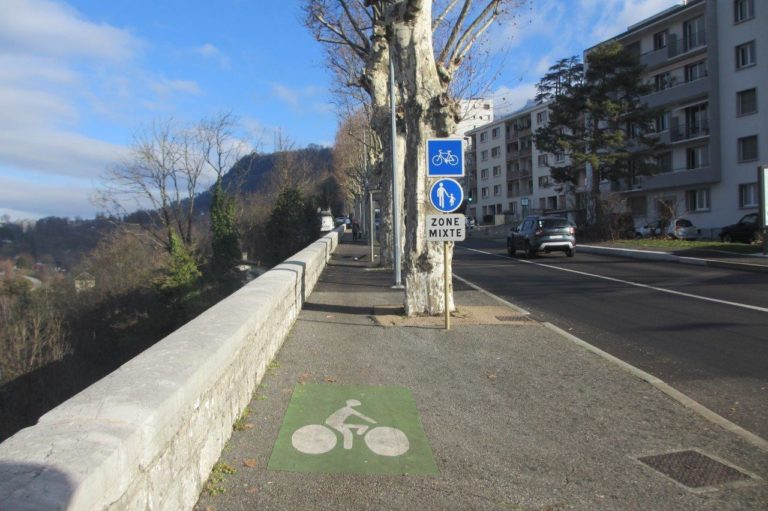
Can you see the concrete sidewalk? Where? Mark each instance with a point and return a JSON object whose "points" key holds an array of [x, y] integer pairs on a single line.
{"points": [[515, 416]]}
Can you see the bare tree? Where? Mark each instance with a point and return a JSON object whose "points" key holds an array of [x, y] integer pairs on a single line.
{"points": [[425, 66], [162, 174]]}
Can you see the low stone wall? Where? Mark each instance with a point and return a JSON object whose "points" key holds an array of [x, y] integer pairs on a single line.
{"points": [[147, 435]]}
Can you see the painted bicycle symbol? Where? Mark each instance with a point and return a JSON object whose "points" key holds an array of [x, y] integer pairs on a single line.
{"points": [[444, 157], [319, 438]]}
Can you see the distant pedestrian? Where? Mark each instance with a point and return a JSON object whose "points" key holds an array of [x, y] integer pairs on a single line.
{"points": [[355, 230]]}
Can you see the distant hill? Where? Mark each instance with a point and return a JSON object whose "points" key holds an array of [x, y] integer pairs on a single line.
{"points": [[252, 172]]}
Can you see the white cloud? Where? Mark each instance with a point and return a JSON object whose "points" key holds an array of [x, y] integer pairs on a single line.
{"points": [[49, 28], [509, 99], [29, 199], [287, 95], [166, 88], [209, 51]]}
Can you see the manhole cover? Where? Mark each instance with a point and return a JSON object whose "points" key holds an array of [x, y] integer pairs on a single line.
{"points": [[693, 469]]}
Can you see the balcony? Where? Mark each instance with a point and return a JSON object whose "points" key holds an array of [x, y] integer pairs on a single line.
{"points": [[678, 93], [682, 132], [675, 46]]}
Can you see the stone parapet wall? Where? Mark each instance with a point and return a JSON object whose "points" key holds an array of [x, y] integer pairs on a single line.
{"points": [[147, 435]]}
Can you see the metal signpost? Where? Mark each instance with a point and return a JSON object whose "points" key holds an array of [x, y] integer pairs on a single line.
{"points": [[445, 159]]}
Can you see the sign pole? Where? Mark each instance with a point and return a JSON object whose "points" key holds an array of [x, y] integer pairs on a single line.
{"points": [[445, 285]]}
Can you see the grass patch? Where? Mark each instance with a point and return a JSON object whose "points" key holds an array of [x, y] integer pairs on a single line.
{"points": [[239, 424], [214, 486], [680, 245]]}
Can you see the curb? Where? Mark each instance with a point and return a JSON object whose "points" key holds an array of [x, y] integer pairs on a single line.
{"points": [[650, 255]]}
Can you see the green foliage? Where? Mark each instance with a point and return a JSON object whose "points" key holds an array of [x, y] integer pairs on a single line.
{"points": [[225, 242], [592, 117], [293, 224], [182, 272]]}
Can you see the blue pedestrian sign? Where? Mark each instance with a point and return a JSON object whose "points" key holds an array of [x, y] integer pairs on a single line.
{"points": [[446, 195], [445, 157]]}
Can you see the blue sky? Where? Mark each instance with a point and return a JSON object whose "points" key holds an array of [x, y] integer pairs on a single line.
{"points": [[78, 78]]}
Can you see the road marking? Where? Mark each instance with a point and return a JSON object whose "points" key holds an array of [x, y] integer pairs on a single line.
{"points": [[627, 282]]}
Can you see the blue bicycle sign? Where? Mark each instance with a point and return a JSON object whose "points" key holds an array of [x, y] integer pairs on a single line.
{"points": [[445, 157]]}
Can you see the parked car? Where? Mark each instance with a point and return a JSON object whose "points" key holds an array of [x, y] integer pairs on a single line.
{"points": [[542, 234], [682, 229], [343, 220], [745, 230], [470, 222], [679, 228]]}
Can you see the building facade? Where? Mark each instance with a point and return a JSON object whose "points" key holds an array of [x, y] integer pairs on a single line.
{"points": [[707, 61], [710, 79]]}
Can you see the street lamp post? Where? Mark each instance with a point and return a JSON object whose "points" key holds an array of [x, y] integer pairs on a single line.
{"points": [[395, 188]]}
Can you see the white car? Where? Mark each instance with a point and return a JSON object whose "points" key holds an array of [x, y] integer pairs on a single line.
{"points": [[679, 228]]}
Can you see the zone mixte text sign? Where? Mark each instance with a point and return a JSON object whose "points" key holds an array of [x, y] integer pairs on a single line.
{"points": [[446, 228]]}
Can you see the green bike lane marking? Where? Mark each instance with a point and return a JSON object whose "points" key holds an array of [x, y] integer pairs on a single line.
{"points": [[352, 429]]}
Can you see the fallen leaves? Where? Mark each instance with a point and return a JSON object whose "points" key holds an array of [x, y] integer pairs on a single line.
{"points": [[249, 462]]}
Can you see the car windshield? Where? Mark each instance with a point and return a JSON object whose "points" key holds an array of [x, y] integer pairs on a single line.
{"points": [[683, 223], [553, 223], [749, 219]]}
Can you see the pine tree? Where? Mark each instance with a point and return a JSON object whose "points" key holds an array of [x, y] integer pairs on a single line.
{"points": [[600, 122], [293, 224], [226, 242]]}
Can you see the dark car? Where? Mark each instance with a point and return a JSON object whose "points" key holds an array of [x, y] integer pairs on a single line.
{"points": [[542, 234], [745, 230]]}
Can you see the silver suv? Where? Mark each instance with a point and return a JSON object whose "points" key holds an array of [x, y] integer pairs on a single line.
{"points": [[542, 234]]}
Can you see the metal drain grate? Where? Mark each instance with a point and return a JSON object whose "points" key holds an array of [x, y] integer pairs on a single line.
{"points": [[508, 318], [694, 469]]}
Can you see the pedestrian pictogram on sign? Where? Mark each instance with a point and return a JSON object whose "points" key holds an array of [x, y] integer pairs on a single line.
{"points": [[445, 157], [446, 195]]}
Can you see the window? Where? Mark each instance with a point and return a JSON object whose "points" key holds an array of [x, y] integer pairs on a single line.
{"points": [[697, 157], [484, 174], [695, 71], [495, 133], [484, 155], [541, 117], [497, 171], [748, 195], [513, 208], [543, 160], [743, 10], [664, 162], [661, 122], [559, 157], [746, 102], [544, 182], [662, 81], [497, 190], [484, 192], [748, 148], [660, 40], [495, 152], [483, 136], [696, 120], [745, 55], [694, 33], [697, 200]]}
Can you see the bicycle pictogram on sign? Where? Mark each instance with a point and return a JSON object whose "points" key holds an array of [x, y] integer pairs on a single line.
{"points": [[445, 157]]}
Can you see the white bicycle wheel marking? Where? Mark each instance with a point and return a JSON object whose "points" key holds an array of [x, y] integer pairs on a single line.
{"points": [[319, 439], [313, 439], [386, 441]]}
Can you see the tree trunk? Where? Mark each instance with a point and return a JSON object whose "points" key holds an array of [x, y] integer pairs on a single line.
{"points": [[427, 113]]}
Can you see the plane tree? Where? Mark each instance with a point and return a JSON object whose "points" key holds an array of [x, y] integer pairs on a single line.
{"points": [[428, 42]]}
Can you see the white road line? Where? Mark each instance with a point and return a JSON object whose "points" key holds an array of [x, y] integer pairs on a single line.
{"points": [[627, 282]]}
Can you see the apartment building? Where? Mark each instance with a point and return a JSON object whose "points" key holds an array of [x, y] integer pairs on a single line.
{"points": [[474, 113], [708, 63], [510, 176]]}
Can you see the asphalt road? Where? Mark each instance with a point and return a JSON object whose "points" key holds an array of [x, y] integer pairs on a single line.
{"points": [[702, 330]]}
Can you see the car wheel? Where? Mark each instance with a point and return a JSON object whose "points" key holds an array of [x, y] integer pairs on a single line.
{"points": [[510, 248], [570, 252], [727, 238], [529, 250]]}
